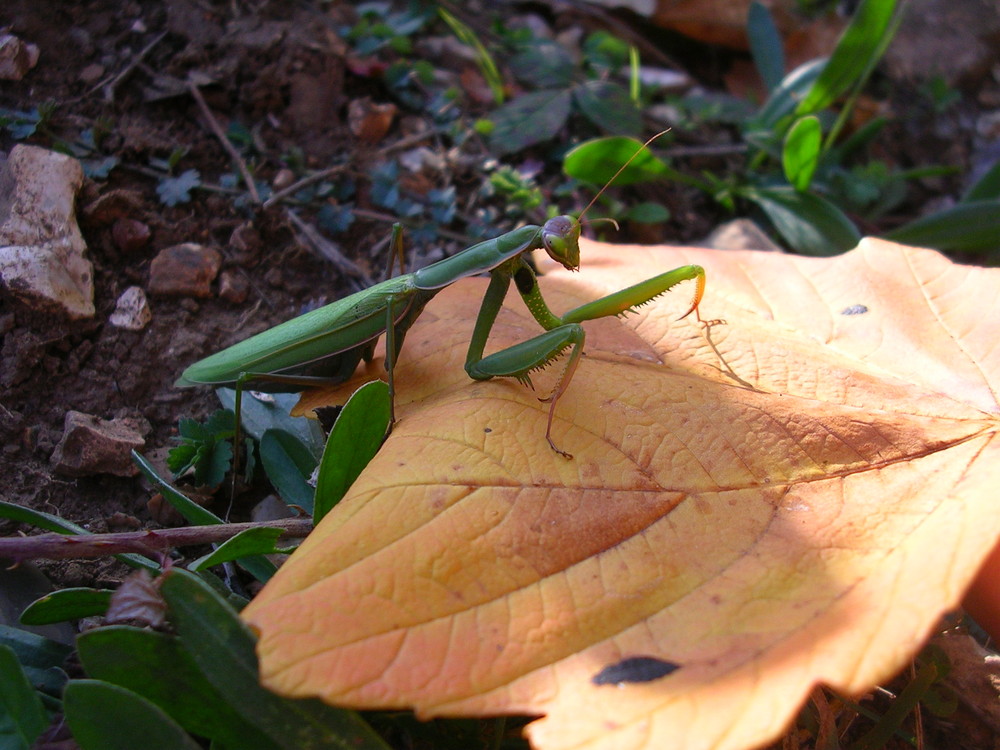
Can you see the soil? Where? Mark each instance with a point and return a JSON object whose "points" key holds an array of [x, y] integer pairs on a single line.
{"points": [[280, 70]]}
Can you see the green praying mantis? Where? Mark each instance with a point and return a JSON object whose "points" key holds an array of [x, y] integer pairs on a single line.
{"points": [[325, 346]]}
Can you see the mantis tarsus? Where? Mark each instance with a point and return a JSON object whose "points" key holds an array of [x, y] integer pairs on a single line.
{"points": [[326, 345]]}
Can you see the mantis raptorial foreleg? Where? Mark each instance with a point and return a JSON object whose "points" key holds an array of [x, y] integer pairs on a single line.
{"points": [[561, 333]]}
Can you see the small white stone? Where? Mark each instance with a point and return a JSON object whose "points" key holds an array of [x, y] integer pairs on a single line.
{"points": [[132, 310]]}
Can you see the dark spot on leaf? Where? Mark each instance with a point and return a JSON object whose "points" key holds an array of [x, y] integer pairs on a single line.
{"points": [[634, 669], [854, 310]]}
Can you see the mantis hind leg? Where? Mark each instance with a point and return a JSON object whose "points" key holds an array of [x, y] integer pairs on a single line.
{"points": [[520, 360]]}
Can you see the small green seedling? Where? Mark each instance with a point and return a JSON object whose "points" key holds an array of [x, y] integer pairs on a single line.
{"points": [[326, 345]]}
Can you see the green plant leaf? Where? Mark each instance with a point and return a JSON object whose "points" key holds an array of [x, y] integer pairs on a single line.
{"points": [[174, 190], [859, 46], [288, 464], [40, 657], [800, 156], [204, 448], [765, 45], [354, 440], [604, 50], [647, 213], [973, 226], [103, 716], [156, 666], [529, 119], [223, 649], [596, 162], [608, 106], [67, 604], [544, 64], [259, 541], [259, 567], [892, 720], [986, 188], [188, 508], [22, 716], [766, 124], [258, 415], [61, 526], [808, 223]]}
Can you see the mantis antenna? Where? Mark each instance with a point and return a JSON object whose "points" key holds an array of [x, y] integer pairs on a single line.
{"points": [[615, 176]]}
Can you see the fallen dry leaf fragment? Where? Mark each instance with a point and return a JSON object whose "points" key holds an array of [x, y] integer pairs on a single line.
{"points": [[788, 499]]}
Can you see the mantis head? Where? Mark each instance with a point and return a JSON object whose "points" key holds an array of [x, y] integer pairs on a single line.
{"points": [[561, 238]]}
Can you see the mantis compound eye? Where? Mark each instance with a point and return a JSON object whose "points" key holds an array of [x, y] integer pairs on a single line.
{"points": [[561, 238]]}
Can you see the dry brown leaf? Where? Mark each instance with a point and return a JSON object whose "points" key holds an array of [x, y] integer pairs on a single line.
{"points": [[789, 499]]}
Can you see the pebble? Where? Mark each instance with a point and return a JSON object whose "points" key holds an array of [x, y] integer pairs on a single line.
{"points": [[185, 270], [91, 446]]}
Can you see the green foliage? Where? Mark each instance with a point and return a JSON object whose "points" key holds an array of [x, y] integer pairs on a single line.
{"points": [[425, 214], [204, 448], [564, 87], [22, 715], [248, 543], [201, 682], [380, 28], [521, 192], [289, 464], [257, 565], [175, 190], [23, 125], [67, 604], [354, 440], [798, 174], [765, 45], [801, 153]]}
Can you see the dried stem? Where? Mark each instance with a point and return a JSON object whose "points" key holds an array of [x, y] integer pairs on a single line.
{"points": [[152, 542], [226, 144]]}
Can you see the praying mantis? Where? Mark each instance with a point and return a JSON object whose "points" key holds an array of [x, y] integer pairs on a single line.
{"points": [[325, 346]]}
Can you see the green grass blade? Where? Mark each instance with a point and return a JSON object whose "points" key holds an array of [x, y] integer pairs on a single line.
{"points": [[487, 66], [859, 47]]}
